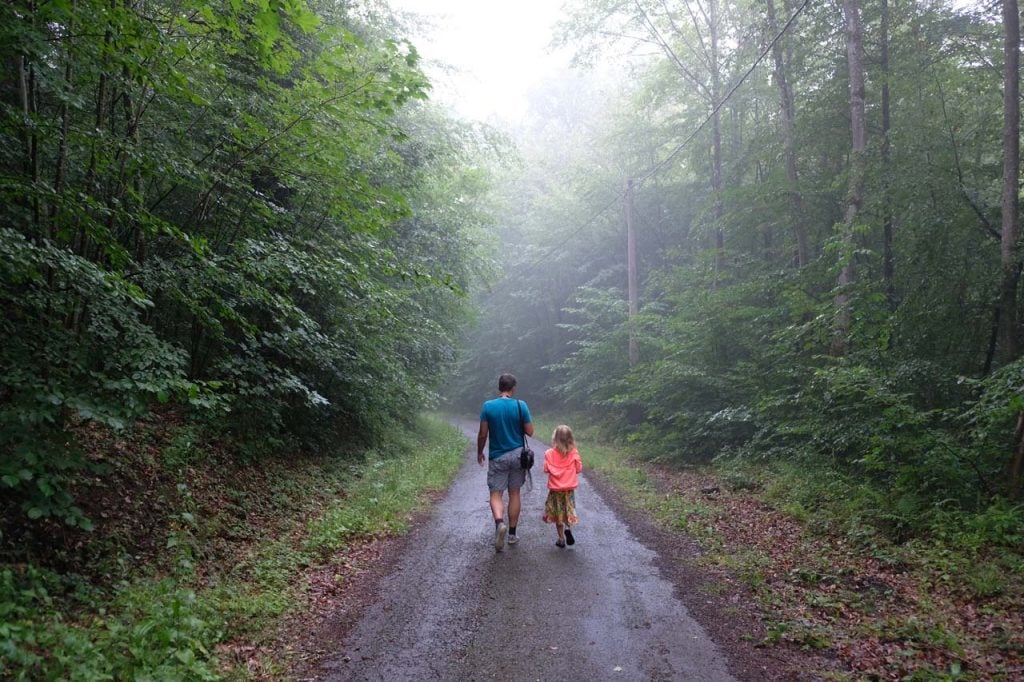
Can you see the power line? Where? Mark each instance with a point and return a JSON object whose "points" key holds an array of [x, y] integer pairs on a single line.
{"points": [[689, 138]]}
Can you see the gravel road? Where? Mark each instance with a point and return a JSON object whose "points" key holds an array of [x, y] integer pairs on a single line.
{"points": [[457, 610]]}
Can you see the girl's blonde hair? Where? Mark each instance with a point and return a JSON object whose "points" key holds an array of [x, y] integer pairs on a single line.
{"points": [[562, 439]]}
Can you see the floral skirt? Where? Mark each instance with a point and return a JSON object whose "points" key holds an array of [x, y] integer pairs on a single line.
{"points": [[560, 507]]}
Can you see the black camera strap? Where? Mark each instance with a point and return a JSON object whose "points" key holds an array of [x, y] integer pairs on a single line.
{"points": [[522, 429], [522, 424]]}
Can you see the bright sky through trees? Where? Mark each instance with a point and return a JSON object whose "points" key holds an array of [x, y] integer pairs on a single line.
{"points": [[499, 50]]}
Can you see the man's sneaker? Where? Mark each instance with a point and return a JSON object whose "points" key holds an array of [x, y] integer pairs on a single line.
{"points": [[513, 538], [499, 536]]}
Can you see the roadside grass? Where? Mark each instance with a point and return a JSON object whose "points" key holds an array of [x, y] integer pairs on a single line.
{"points": [[385, 491], [233, 566], [806, 547]]}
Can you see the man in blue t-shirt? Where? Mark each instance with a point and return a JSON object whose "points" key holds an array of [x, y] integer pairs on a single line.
{"points": [[504, 420]]}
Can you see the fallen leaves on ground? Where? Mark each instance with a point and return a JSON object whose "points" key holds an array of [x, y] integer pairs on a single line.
{"points": [[885, 614]]}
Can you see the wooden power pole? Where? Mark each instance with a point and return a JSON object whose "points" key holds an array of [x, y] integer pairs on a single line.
{"points": [[634, 297]]}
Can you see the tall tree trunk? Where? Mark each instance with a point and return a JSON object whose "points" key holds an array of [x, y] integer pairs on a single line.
{"points": [[716, 135], [35, 158], [1011, 170], [1010, 209], [81, 246], [26, 80], [855, 191], [888, 264], [132, 116], [26, 86], [62, 147], [788, 112], [21, 78]]}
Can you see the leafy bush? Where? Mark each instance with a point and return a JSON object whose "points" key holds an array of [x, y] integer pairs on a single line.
{"points": [[153, 630], [106, 367]]}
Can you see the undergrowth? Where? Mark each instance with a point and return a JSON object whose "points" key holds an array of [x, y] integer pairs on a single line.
{"points": [[834, 564], [230, 565]]}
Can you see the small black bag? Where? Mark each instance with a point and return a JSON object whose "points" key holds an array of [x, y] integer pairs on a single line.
{"points": [[526, 456]]}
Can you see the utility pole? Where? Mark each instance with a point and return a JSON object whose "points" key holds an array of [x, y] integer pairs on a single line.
{"points": [[634, 298]]}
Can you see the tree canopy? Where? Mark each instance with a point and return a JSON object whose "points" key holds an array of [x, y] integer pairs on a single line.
{"points": [[245, 208]]}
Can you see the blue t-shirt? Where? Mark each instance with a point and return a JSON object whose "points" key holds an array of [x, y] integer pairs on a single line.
{"points": [[504, 431]]}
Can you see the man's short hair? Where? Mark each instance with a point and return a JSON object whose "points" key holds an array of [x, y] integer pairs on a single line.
{"points": [[506, 382]]}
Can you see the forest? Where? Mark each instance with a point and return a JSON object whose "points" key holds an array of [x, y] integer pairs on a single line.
{"points": [[779, 240], [243, 210], [788, 237]]}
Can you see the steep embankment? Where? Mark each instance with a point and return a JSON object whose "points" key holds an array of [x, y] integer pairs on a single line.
{"points": [[200, 563]]}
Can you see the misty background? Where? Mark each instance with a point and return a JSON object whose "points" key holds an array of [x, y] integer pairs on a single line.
{"points": [[256, 254]]}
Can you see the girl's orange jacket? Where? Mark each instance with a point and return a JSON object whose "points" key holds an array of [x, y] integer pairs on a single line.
{"points": [[562, 469]]}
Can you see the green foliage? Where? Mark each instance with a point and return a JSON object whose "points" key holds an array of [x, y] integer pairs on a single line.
{"points": [[384, 492], [1000, 525], [105, 369], [165, 622], [239, 207], [909, 423], [151, 629]]}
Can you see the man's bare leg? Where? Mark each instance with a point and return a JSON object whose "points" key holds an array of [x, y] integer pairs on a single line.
{"points": [[498, 505], [500, 524], [514, 505]]}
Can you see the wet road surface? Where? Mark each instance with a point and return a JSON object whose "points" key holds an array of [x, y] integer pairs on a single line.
{"points": [[457, 610]]}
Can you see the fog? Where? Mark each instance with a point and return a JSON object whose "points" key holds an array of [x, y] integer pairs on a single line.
{"points": [[484, 58]]}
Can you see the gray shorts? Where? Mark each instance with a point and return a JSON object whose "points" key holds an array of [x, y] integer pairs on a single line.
{"points": [[504, 473]]}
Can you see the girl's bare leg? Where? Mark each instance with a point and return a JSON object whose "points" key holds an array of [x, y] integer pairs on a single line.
{"points": [[561, 531]]}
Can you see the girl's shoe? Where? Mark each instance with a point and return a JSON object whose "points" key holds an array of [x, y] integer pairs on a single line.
{"points": [[569, 539], [559, 543]]}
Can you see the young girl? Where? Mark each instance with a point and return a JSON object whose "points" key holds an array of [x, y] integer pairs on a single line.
{"points": [[562, 464]]}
